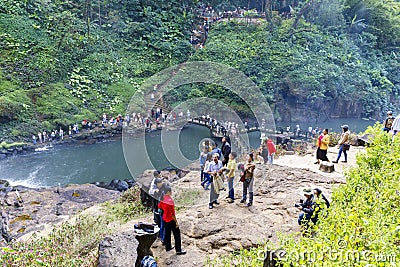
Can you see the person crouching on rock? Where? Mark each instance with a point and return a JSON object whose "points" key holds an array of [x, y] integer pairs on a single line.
{"points": [[170, 222], [307, 207], [248, 180], [215, 170]]}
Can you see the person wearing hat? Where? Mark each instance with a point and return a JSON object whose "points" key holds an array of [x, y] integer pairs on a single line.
{"points": [[307, 207], [167, 205], [387, 125], [344, 140]]}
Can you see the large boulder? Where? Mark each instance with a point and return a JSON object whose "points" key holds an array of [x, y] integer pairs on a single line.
{"points": [[125, 249], [119, 250]]}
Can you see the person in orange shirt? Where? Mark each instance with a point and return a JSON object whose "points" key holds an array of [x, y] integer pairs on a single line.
{"points": [[322, 143]]}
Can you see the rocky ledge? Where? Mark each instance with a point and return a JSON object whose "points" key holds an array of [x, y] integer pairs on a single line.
{"points": [[206, 234]]}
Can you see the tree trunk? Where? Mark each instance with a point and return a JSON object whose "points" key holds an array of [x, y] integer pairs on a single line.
{"points": [[302, 11], [87, 14]]}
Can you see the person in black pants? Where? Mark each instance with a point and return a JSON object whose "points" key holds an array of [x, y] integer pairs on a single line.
{"points": [[171, 224]]}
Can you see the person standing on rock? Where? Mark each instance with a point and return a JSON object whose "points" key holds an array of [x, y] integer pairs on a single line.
{"points": [[167, 205], [157, 191], [202, 161], [322, 144], [207, 178], [226, 150], [271, 151], [387, 124], [214, 169], [344, 140], [248, 183], [231, 167]]}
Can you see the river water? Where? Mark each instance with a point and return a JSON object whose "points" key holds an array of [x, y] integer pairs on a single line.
{"points": [[78, 164]]}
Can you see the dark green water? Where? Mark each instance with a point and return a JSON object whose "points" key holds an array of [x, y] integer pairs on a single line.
{"points": [[77, 164]]}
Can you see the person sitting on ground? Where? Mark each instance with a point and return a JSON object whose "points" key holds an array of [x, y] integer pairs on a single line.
{"points": [[307, 207], [322, 144], [344, 140], [171, 223], [248, 180], [214, 169], [387, 125]]}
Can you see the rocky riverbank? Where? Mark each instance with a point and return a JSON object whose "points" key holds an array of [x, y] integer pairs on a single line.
{"points": [[206, 234], [9, 149]]}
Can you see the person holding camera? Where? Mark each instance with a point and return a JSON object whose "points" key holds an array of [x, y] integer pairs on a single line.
{"points": [[307, 207]]}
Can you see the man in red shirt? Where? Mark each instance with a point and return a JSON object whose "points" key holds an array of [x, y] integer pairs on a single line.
{"points": [[171, 224]]}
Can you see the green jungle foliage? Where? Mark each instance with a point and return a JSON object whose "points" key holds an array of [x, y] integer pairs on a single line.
{"points": [[361, 227], [63, 61]]}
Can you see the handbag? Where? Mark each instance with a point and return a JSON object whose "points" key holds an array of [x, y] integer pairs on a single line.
{"points": [[346, 146], [242, 176]]}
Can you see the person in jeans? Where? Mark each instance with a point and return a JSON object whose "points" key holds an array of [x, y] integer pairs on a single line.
{"points": [[271, 151], [207, 178], [344, 139], [156, 190], [170, 222], [230, 176], [248, 180], [306, 207]]}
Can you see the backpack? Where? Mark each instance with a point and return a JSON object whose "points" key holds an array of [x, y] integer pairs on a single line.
{"points": [[389, 122], [148, 261]]}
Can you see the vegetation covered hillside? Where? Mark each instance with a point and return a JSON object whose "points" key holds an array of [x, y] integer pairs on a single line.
{"points": [[64, 61], [340, 59]]}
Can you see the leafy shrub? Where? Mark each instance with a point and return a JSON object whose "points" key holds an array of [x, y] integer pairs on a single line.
{"points": [[128, 205]]}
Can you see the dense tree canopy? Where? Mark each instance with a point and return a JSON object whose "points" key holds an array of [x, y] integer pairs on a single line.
{"points": [[61, 61]]}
